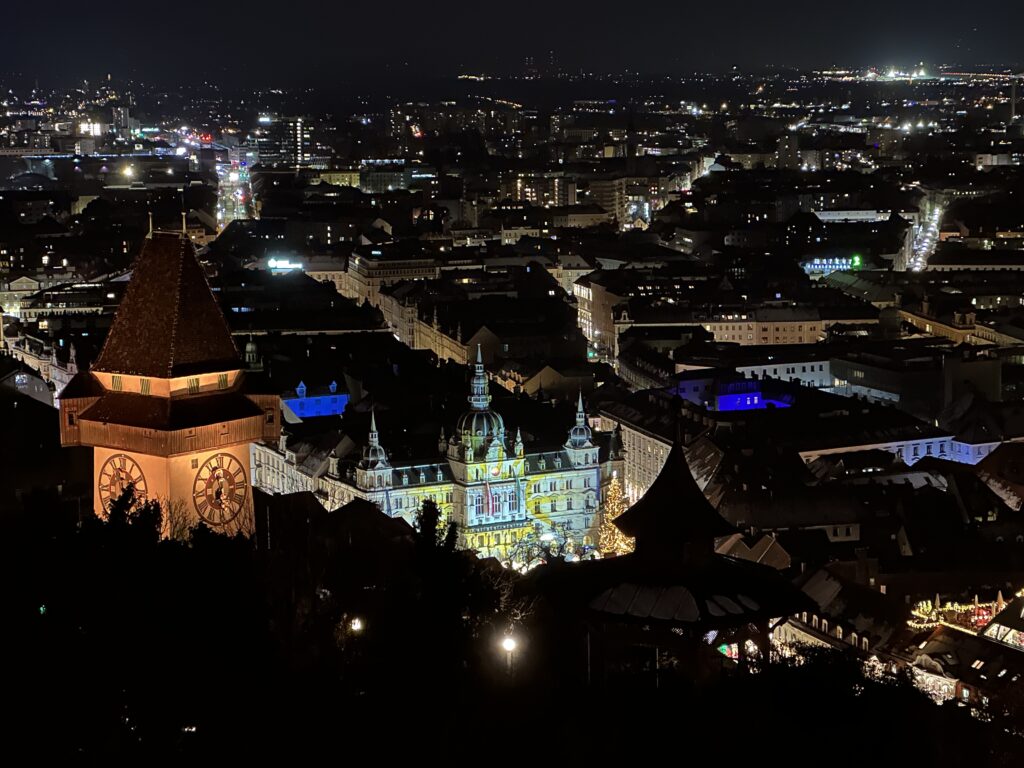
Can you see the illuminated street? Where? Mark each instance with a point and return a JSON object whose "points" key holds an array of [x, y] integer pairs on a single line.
{"points": [[233, 194], [926, 237]]}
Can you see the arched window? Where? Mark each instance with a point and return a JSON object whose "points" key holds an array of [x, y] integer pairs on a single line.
{"points": [[824, 626], [814, 622], [853, 639], [803, 617], [864, 643], [839, 633]]}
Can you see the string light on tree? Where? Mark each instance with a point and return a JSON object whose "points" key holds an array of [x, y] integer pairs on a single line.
{"points": [[612, 541]]}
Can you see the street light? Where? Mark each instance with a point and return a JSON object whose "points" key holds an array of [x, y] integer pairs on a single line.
{"points": [[356, 625], [508, 644]]}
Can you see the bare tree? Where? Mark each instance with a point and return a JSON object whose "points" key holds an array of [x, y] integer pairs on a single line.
{"points": [[177, 522]]}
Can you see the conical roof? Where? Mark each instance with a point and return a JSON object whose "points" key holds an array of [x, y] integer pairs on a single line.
{"points": [[674, 509], [169, 323]]}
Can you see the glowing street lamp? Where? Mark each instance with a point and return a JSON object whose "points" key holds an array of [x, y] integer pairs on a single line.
{"points": [[508, 644], [356, 625]]}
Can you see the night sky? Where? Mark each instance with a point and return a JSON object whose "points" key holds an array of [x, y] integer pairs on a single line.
{"points": [[292, 41]]}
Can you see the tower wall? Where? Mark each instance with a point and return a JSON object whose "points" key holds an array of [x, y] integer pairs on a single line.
{"points": [[172, 482]]}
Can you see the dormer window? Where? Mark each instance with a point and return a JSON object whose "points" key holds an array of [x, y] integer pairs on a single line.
{"points": [[333, 387], [301, 389]]}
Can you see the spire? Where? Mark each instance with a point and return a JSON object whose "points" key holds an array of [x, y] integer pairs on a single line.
{"points": [[374, 457], [479, 397], [580, 435]]}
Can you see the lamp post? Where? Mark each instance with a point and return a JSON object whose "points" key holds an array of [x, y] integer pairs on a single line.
{"points": [[509, 646]]}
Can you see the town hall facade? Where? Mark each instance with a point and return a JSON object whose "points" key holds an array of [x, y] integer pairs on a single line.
{"points": [[483, 479]]}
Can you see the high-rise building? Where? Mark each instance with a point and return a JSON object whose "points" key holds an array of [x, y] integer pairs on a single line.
{"points": [[787, 152], [164, 406], [287, 142]]}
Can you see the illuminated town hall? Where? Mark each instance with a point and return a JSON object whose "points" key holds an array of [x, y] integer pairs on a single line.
{"points": [[483, 479]]}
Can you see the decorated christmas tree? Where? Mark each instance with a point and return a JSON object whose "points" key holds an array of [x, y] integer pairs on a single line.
{"points": [[612, 541]]}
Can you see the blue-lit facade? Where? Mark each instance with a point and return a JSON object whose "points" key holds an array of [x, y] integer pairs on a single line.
{"points": [[324, 401]]}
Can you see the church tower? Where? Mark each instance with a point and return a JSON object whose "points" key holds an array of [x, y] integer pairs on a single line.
{"points": [[164, 405]]}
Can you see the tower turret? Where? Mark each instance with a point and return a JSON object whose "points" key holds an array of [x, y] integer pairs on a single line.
{"points": [[374, 469], [480, 431]]}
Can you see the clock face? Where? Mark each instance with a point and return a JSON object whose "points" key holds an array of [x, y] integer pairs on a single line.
{"points": [[116, 474], [220, 489]]}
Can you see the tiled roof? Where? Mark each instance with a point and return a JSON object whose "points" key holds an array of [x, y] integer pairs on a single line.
{"points": [[169, 323], [674, 508]]}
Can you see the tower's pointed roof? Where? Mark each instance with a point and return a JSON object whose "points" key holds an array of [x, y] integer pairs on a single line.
{"points": [[674, 509], [169, 323]]}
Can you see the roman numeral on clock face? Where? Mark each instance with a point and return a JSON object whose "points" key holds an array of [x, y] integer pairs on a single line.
{"points": [[219, 491]]}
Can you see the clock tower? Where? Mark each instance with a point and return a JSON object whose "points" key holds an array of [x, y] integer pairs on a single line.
{"points": [[164, 406]]}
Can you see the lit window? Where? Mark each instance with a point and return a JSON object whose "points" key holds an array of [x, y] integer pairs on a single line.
{"points": [[144, 386], [222, 381], [193, 386], [116, 383]]}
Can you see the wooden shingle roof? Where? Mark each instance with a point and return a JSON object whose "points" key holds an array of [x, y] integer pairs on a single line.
{"points": [[169, 323]]}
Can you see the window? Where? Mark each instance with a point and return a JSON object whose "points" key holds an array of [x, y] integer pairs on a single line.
{"points": [[269, 415], [839, 633], [824, 626], [222, 381], [864, 643], [195, 463], [144, 387], [193, 386], [978, 664], [116, 383], [71, 419]]}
